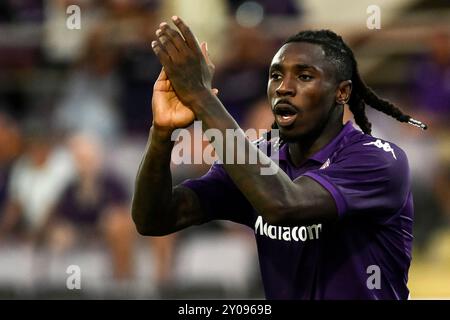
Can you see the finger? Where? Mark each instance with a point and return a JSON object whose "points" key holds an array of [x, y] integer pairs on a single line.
{"points": [[160, 53], [167, 44], [204, 48], [174, 36], [161, 81], [187, 34], [162, 75], [205, 52], [215, 91]]}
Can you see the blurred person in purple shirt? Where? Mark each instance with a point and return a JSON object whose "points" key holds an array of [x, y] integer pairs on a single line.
{"points": [[336, 221], [431, 80], [93, 207]]}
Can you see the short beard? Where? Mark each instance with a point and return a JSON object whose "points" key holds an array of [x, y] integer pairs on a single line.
{"points": [[311, 135]]}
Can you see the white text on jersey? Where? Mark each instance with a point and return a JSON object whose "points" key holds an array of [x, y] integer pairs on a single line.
{"points": [[298, 233]]}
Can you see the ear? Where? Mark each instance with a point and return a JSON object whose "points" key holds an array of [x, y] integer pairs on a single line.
{"points": [[343, 92]]}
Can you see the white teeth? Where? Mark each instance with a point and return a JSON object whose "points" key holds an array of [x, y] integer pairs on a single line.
{"points": [[285, 117]]}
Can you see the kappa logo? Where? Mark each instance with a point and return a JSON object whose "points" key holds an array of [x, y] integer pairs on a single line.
{"points": [[385, 146]]}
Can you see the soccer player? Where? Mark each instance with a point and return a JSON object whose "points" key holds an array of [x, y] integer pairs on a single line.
{"points": [[336, 221]]}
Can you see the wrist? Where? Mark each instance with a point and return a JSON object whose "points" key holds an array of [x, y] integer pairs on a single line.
{"points": [[199, 101], [160, 134]]}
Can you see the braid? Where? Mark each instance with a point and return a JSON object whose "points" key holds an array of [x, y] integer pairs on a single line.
{"points": [[358, 108], [341, 56], [364, 95]]}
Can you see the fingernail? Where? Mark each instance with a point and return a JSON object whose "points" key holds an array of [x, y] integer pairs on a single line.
{"points": [[153, 43], [158, 32], [174, 18], [162, 24], [206, 46]]}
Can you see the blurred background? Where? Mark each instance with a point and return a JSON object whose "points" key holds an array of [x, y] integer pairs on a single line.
{"points": [[75, 115]]}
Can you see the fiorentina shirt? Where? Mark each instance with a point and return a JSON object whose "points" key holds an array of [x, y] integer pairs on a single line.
{"points": [[364, 254]]}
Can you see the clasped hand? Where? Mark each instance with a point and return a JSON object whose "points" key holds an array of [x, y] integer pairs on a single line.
{"points": [[189, 72]]}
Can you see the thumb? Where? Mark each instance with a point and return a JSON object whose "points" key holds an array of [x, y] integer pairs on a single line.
{"points": [[162, 75]]}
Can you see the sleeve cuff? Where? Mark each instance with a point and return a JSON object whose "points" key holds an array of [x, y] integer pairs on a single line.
{"points": [[341, 205]]}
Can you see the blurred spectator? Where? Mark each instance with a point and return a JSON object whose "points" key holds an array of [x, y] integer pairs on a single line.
{"points": [[208, 19], [431, 81], [36, 182], [91, 92], [139, 69], [93, 207], [259, 116], [134, 24], [106, 71], [242, 79], [64, 45], [10, 148], [442, 187], [164, 255], [24, 11], [280, 7], [431, 87]]}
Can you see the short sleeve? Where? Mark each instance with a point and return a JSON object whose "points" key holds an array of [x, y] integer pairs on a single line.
{"points": [[365, 179], [219, 197]]}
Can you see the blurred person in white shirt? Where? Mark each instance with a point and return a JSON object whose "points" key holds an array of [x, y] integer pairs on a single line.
{"points": [[36, 182]]}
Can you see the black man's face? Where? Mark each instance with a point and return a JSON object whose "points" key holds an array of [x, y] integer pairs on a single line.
{"points": [[301, 89]]}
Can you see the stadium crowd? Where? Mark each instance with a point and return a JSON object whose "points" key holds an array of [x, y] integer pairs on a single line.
{"points": [[75, 112]]}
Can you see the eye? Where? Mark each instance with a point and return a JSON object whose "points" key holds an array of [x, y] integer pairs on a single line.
{"points": [[305, 77], [275, 76]]}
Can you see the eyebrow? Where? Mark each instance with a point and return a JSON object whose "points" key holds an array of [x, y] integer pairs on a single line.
{"points": [[301, 66]]}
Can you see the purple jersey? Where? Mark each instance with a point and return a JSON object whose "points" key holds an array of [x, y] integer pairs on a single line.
{"points": [[365, 254]]}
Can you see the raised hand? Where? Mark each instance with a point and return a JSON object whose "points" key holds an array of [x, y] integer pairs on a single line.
{"points": [[183, 61], [169, 113]]}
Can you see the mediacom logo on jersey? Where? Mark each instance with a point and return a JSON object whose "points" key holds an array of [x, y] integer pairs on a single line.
{"points": [[298, 233]]}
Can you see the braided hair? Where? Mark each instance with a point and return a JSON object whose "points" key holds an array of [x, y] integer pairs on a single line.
{"points": [[341, 56]]}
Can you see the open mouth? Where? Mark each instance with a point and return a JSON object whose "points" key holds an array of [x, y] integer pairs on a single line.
{"points": [[285, 114]]}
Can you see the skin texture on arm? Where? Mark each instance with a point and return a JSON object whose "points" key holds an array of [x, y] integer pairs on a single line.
{"points": [[157, 208], [278, 199]]}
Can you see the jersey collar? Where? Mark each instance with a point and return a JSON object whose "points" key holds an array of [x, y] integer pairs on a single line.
{"points": [[323, 154]]}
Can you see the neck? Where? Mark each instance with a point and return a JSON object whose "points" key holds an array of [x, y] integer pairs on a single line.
{"points": [[300, 150]]}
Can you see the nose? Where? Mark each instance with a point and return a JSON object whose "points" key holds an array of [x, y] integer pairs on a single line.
{"points": [[286, 88]]}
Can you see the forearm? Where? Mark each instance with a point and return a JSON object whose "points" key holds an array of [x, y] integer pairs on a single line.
{"points": [[268, 194], [153, 186], [276, 197]]}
